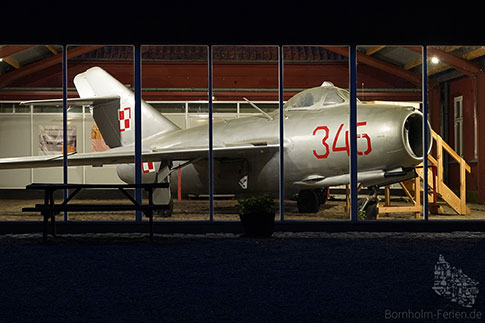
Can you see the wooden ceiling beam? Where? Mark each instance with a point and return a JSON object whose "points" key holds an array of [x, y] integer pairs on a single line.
{"points": [[6, 51], [12, 62], [52, 49], [381, 65], [26, 70], [459, 63], [372, 50]]}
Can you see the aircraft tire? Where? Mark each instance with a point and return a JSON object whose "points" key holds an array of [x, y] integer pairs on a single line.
{"points": [[323, 195], [165, 213], [308, 201], [371, 211]]}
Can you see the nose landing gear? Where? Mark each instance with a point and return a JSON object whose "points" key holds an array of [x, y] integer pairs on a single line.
{"points": [[367, 207]]}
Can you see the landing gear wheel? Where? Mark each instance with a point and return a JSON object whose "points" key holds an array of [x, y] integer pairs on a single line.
{"points": [[323, 195], [308, 201], [165, 213], [369, 212]]}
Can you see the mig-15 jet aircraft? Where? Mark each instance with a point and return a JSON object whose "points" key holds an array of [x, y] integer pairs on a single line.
{"points": [[246, 150]]}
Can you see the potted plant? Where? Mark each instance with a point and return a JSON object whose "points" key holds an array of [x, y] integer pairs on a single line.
{"points": [[257, 215]]}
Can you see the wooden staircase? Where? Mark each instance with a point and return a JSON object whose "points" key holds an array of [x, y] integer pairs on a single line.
{"points": [[437, 189]]}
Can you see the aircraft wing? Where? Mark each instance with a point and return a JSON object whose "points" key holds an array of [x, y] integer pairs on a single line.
{"points": [[124, 156]]}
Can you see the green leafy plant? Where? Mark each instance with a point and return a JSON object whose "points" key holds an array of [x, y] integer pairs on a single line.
{"points": [[260, 204]]}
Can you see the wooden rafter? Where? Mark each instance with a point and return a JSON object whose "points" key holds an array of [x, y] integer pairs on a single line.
{"points": [[381, 65], [448, 60], [478, 52], [26, 70], [11, 61], [459, 63], [372, 50], [418, 61], [6, 51], [52, 49]]}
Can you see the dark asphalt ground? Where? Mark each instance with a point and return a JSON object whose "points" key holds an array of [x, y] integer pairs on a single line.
{"points": [[315, 277]]}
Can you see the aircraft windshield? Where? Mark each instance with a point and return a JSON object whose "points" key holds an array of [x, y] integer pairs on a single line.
{"points": [[318, 97]]}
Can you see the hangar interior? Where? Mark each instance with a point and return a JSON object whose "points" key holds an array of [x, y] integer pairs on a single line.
{"points": [[175, 81]]}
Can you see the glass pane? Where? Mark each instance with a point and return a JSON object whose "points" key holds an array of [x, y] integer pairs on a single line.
{"points": [[6, 107], [245, 73], [455, 84], [100, 71], [316, 122], [389, 132], [26, 73], [176, 77]]}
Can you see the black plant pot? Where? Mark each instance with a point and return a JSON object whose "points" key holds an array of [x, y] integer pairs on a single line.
{"points": [[258, 225]]}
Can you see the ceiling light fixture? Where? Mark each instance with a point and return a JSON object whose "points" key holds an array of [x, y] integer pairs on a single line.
{"points": [[435, 60]]}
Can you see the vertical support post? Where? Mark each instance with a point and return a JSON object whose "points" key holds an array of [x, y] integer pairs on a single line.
{"points": [[417, 195], [425, 133], [179, 184], [282, 133], [64, 123], [439, 159], [138, 130], [462, 187], [211, 144], [353, 133], [347, 199], [388, 196]]}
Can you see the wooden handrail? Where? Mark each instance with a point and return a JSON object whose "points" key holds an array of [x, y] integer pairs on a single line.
{"points": [[450, 151]]}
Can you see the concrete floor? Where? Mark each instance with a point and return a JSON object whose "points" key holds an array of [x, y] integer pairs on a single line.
{"points": [[224, 210]]}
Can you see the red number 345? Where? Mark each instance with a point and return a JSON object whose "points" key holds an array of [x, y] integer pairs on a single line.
{"points": [[346, 148]]}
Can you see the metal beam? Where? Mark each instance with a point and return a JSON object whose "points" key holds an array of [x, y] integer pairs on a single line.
{"points": [[381, 65], [26, 70]]}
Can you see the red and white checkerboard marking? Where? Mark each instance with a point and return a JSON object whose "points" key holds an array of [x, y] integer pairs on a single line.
{"points": [[148, 167], [125, 119]]}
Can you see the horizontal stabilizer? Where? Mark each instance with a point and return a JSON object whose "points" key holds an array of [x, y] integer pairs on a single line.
{"points": [[104, 110], [75, 102]]}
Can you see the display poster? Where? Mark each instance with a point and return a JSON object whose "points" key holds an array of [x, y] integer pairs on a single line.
{"points": [[50, 140], [97, 141]]}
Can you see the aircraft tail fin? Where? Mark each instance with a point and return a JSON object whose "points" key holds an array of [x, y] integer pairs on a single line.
{"points": [[96, 82]]}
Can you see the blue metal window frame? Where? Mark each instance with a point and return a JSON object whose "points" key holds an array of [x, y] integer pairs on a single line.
{"points": [[424, 89], [64, 123], [138, 129], [353, 132]]}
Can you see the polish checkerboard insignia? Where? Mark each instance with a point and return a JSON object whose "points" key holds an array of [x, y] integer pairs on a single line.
{"points": [[125, 119], [148, 167]]}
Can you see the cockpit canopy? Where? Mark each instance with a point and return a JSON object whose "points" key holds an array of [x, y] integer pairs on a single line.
{"points": [[318, 98]]}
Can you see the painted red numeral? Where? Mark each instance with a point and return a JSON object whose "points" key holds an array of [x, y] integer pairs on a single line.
{"points": [[366, 136], [346, 148], [324, 143]]}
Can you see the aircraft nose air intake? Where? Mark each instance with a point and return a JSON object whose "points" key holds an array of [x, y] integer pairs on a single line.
{"points": [[412, 134]]}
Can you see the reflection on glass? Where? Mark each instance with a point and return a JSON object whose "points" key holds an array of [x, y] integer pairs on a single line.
{"points": [[316, 124], [455, 84], [26, 73], [175, 78], [390, 124], [99, 72], [246, 140]]}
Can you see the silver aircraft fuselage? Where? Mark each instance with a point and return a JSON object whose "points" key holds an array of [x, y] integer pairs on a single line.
{"points": [[316, 148]]}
